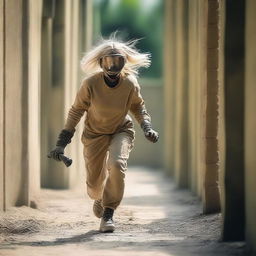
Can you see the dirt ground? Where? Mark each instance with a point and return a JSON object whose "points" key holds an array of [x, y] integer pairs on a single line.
{"points": [[154, 219]]}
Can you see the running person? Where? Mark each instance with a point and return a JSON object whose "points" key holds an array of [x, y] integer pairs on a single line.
{"points": [[107, 95]]}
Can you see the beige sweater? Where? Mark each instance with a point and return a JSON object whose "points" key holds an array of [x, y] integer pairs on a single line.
{"points": [[106, 107]]}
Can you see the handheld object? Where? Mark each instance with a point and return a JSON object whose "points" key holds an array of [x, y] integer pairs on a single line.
{"points": [[67, 161]]}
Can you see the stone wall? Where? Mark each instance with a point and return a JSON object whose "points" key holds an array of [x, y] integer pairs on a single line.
{"points": [[209, 117], [33, 100], [191, 97]]}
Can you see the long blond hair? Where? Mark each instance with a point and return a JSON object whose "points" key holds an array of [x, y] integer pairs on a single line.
{"points": [[90, 63]]}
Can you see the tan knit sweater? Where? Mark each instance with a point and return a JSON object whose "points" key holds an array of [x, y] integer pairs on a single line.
{"points": [[106, 107]]}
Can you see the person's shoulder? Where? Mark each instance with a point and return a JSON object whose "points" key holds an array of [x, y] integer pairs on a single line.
{"points": [[90, 80], [132, 80]]}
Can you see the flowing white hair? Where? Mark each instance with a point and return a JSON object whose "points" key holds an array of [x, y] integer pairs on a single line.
{"points": [[90, 63]]}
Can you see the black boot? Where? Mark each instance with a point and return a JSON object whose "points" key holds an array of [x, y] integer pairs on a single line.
{"points": [[107, 223]]}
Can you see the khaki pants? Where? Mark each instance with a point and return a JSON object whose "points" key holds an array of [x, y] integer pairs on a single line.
{"points": [[106, 162]]}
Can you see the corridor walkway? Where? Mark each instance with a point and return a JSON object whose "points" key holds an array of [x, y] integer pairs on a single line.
{"points": [[155, 219]]}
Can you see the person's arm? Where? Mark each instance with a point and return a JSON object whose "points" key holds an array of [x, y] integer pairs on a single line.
{"points": [[81, 104], [140, 113]]}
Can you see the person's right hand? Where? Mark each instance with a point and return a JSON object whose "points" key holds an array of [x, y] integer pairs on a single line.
{"points": [[55, 154]]}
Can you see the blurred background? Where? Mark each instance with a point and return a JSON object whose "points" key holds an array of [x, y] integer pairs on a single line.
{"points": [[134, 19]]}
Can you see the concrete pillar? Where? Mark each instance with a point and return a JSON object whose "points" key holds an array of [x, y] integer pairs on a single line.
{"points": [[2, 104], [72, 84], [221, 129], [78, 38], [233, 211], [169, 86], [89, 23], [181, 111], [53, 174], [14, 103], [85, 28], [65, 38], [35, 98], [34, 90], [46, 81], [193, 97], [20, 24], [16, 115], [211, 197], [201, 80], [250, 125]]}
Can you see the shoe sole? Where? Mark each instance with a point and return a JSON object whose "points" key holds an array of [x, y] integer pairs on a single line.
{"points": [[107, 230]]}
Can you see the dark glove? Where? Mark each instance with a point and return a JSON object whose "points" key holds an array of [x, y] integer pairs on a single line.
{"points": [[55, 153], [150, 134], [64, 139]]}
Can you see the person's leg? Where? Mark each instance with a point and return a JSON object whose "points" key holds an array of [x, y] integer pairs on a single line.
{"points": [[95, 155], [120, 146], [119, 149]]}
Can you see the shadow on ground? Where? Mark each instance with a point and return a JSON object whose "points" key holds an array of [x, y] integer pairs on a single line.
{"points": [[155, 219]]}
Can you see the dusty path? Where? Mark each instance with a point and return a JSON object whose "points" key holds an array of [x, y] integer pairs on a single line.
{"points": [[155, 219]]}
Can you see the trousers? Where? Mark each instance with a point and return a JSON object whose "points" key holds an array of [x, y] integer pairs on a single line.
{"points": [[106, 163]]}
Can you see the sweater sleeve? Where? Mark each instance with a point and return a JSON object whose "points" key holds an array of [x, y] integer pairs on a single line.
{"points": [[81, 104], [138, 108]]}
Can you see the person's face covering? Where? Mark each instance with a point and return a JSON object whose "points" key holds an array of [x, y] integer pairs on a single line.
{"points": [[112, 64]]}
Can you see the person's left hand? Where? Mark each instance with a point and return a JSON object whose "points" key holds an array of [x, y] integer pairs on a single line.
{"points": [[151, 135]]}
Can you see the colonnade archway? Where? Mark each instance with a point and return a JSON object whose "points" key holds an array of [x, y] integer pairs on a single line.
{"points": [[209, 78]]}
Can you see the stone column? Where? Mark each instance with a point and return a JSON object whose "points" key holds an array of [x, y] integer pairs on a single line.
{"points": [[211, 198], [234, 197], [169, 86], [46, 67], [53, 174], [250, 124], [34, 104], [20, 29], [193, 95], [72, 84], [64, 41], [181, 97], [201, 81], [14, 103], [2, 104], [221, 129]]}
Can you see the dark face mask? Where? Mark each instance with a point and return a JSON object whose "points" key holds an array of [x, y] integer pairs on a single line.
{"points": [[112, 64]]}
